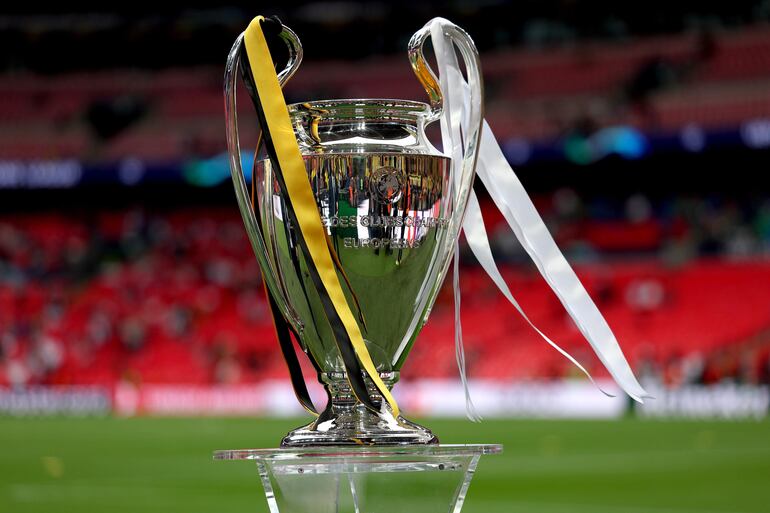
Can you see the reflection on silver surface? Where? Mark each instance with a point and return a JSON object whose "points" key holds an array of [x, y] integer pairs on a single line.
{"points": [[386, 248]]}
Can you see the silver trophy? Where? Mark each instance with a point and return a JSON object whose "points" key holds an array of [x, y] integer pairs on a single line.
{"points": [[392, 212]]}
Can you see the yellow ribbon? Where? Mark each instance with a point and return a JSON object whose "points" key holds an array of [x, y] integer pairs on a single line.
{"points": [[298, 187]]}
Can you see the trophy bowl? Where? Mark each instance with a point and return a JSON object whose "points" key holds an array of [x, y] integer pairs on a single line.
{"points": [[391, 209]]}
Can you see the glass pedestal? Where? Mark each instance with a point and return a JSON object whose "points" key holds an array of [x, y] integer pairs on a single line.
{"points": [[367, 479]]}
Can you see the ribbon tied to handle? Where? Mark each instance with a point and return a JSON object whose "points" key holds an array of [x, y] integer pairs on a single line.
{"points": [[510, 197]]}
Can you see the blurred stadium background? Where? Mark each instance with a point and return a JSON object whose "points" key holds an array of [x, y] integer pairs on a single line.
{"points": [[128, 287]]}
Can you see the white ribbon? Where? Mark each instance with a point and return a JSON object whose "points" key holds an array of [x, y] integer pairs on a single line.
{"points": [[510, 197]]}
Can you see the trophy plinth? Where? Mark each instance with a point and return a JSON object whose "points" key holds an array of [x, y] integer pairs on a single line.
{"points": [[345, 421], [365, 479]]}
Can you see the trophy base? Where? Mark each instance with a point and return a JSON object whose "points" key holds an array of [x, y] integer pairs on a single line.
{"points": [[363, 429], [417, 479], [345, 421]]}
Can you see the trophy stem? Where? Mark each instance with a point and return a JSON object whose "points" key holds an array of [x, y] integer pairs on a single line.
{"points": [[346, 421]]}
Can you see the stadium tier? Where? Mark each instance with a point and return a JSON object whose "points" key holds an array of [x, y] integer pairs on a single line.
{"points": [[82, 302], [708, 80]]}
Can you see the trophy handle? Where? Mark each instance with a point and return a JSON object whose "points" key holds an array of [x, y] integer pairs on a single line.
{"points": [[295, 54], [462, 184], [424, 72], [462, 181], [269, 270]]}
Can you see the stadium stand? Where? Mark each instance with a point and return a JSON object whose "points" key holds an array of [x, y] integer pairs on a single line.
{"points": [[657, 84], [81, 302]]}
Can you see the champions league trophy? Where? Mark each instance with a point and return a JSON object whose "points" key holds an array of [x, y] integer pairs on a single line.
{"points": [[354, 218], [392, 218], [391, 214]]}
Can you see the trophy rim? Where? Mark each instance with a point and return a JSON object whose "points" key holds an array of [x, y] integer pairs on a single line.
{"points": [[353, 108], [362, 102]]}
